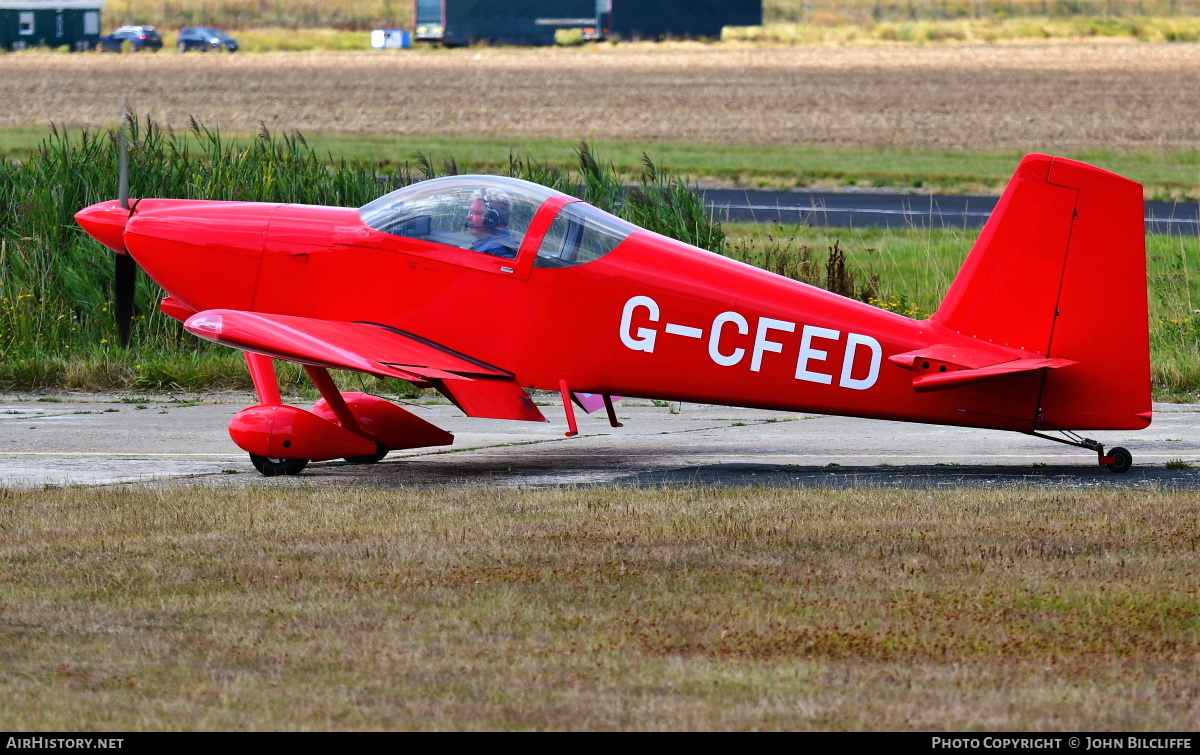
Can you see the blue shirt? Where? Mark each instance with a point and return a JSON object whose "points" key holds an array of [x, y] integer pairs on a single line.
{"points": [[498, 243]]}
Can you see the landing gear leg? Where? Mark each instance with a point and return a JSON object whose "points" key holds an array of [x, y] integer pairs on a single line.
{"points": [[266, 384], [569, 408], [612, 412], [333, 397], [1117, 460]]}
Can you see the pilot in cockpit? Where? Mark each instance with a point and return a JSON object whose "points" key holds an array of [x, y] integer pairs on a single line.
{"points": [[487, 221]]}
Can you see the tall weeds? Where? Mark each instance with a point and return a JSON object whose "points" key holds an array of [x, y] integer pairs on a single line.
{"points": [[56, 309]]}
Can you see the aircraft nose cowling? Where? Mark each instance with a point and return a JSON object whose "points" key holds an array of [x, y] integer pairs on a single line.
{"points": [[105, 222], [205, 254]]}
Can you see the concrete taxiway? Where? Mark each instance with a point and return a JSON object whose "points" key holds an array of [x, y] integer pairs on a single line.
{"points": [[97, 440]]}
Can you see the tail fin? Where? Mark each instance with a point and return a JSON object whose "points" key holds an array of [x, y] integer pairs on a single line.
{"points": [[1060, 270]]}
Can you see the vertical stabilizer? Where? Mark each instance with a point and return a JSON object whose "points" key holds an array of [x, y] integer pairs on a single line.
{"points": [[1060, 270]]}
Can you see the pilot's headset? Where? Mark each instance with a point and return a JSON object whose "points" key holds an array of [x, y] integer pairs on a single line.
{"points": [[491, 216]]}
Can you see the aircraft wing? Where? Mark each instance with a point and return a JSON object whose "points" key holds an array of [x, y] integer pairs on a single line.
{"points": [[478, 388]]}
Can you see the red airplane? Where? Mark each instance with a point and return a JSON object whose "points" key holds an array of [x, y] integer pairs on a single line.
{"points": [[484, 287]]}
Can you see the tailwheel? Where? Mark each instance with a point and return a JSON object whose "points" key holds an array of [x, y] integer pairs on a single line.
{"points": [[277, 467], [380, 452], [1117, 460], [1122, 460]]}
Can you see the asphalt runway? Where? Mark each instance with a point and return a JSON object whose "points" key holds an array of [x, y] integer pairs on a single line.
{"points": [[876, 210], [105, 440]]}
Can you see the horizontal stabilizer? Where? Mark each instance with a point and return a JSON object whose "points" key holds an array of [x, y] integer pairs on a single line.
{"points": [[939, 381], [958, 357]]}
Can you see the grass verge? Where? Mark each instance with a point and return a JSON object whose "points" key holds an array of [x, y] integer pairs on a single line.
{"points": [[1166, 175], [299, 608]]}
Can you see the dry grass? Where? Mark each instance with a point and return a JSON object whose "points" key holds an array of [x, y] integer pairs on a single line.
{"points": [[1054, 97], [985, 29], [285, 606]]}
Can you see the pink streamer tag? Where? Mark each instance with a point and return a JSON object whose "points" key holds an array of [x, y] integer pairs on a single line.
{"points": [[592, 401]]}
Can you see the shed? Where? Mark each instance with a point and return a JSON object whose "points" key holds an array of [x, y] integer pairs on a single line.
{"points": [[516, 22], [533, 22], [636, 19], [49, 23]]}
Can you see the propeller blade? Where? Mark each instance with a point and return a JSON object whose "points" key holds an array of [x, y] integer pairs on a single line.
{"points": [[123, 176], [126, 286], [125, 273]]}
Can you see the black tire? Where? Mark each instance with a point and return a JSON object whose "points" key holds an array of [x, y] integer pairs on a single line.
{"points": [[380, 452], [1124, 460], [182, 47], [277, 467]]}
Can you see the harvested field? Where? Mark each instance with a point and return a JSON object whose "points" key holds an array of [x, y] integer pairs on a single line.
{"points": [[1053, 97]]}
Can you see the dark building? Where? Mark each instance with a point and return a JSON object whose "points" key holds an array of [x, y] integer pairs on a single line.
{"points": [[637, 19], [511, 22], [534, 22], [33, 23]]}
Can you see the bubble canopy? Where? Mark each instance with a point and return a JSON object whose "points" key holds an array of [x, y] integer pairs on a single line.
{"points": [[492, 214], [436, 210]]}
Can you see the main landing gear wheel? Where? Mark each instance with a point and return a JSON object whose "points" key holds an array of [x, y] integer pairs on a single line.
{"points": [[277, 467], [380, 452], [1123, 460]]}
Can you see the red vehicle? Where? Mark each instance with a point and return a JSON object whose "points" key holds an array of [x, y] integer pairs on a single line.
{"points": [[1045, 328]]}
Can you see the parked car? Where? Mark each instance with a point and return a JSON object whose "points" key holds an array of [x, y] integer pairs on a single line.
{"points": [[205, 38], [137, 37]]}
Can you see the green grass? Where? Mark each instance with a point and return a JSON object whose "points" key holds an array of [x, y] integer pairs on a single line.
{"points": [[293, 607], [1166, 175], [294, 40]]}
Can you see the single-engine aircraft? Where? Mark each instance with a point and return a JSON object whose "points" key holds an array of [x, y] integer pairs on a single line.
{"points": [[1044, 329]]}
